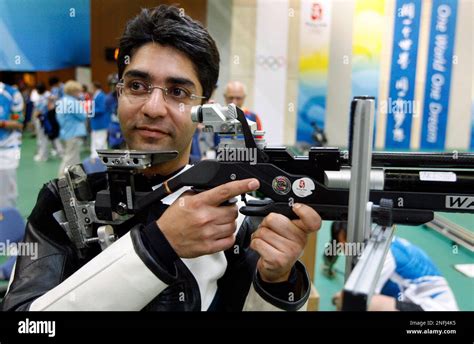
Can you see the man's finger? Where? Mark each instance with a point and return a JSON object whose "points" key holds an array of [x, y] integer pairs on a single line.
{"points": [[282, 244], [222, 244], [266, 251], [225, 214], [309, 220], [224, 192], [283, 226], [224, 231]]}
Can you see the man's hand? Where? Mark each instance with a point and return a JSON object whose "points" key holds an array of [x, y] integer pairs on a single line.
{"points": [[382, 303], [196, 224], [337, 300], [280, 242]]}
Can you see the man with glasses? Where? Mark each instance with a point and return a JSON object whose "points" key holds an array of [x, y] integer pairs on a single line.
{"points": [[188, 252], [235, 92]]}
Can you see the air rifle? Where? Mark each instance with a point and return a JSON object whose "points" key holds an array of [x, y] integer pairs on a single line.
{"points": [[416, 184]]}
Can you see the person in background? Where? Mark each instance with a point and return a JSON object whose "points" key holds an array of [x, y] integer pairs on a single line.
{"points": [[235, 92], [56, 87], [40, 112], [71, 117], [86, 97], [115, 138], [196, 154], [100, 120], [11, 126], [53, 132], [28, 123], [409, 280]]}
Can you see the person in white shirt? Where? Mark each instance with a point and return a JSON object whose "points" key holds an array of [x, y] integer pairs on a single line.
{"points": [[11, 126]]}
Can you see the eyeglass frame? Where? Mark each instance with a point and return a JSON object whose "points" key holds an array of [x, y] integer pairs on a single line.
{"points": [[234, 97], [121, 86]]}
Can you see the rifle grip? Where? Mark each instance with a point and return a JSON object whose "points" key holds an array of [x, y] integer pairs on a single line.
{"points": [[267, 208]]}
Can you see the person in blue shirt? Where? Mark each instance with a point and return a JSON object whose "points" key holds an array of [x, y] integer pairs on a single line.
{"points": [[196, 155], [100, 120], [409, 280], [11, 126], [115, 138], [56, 87], [71, 116]]}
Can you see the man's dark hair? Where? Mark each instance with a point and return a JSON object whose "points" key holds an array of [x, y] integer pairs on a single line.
{"points": [[167, 26], [53, 81], [338, 227], [41, 88]]}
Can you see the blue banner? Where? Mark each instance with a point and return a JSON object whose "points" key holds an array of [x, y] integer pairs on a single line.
{"points": [[399, 106], [472, 120], [44, 35], [438, 74]]}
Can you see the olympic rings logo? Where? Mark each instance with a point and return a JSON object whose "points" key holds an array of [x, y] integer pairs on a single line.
{"points": [[271, 62]]}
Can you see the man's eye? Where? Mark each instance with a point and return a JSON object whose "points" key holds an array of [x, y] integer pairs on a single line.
{"points": [[178, 92], [136, 86]]}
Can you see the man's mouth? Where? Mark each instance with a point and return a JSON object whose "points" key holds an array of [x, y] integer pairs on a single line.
{"points": [[150, 131]]}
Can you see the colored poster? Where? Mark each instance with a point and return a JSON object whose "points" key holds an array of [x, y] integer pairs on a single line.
{"points": [[271, 67], [313, 67], [438, 74], [399, 106], [369, 18], [44, 35]]}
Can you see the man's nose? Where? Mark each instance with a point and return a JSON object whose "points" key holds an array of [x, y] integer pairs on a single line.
{"points": [[155, 105]]}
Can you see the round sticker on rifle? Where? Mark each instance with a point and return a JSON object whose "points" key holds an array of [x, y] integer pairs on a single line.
{"points": [[303, 187], [281, 185]]}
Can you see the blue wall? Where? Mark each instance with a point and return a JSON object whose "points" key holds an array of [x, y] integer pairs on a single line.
{"points": [[44, 35]]}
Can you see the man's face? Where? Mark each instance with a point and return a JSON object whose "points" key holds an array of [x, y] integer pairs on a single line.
{"points": [[154, 124], [235, 94]]}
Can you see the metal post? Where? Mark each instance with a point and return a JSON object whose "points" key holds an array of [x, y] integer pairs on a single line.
{"points": [[361, 159], [361, 284]]}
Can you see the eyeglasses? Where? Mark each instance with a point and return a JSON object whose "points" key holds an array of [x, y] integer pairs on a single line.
{"points": [[139, 91], [233, 97]]}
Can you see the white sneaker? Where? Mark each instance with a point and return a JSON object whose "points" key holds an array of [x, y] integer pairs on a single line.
{"points": [[38, 158]]}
